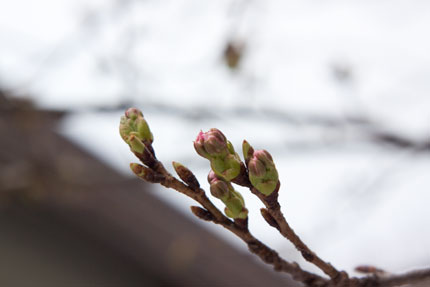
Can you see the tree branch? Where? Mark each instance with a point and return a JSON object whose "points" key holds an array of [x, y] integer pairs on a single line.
{"points": [[410, 278], [261, 171], [212, 213], [273, 211]]}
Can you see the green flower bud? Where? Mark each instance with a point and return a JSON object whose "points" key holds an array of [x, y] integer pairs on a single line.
{"points": [[262, 172], [214, 146], [125, 128], [243, 214], [234, 205], [143, 130], [238, 195], [233, 200], [133, 113], [227, 167], [136, 144], [146, 173], [230, 148], [210, 144], [133, 124]]}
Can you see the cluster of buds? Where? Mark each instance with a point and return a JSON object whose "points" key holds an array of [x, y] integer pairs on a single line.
{"points": [[214, 146], [233, 200], [135, 131], [262, 170]]}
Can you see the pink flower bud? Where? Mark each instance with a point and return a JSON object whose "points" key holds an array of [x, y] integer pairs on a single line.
{"points": [[219, 189], [256, 167], [264, 156], [262, 172], [133, 113], [214, 146], [211, 143], [212, 177]]}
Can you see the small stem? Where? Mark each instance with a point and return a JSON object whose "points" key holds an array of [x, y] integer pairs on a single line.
{"points": [[274, 209], [155, 172], [306, 252], [241, 230], [410, 278]]}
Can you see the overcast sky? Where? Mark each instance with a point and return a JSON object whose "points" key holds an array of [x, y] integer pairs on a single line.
{"points": [[333, 59]]}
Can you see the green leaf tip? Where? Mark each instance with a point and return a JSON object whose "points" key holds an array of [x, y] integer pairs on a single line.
{"points": [[247, 151], [136, 144], [137, 169]]}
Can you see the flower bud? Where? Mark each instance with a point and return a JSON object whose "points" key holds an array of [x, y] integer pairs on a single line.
{"points": [[212, 177], [186, 175], [227, 167], [262, 172], [133, 113], [136, 144], [214, 146], [211, 143], [134, 124], [234, 206], [143, 130], [236, 210], [233, 200], [220, 189], [146, 173], [125, 128], [256, 167], [138, 169]]}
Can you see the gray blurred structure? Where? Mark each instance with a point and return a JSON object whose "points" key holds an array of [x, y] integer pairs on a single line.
{"points": [[67, 219]]}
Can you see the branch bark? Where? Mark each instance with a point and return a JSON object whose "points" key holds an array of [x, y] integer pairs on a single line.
{"points": [[212, 213], [274, 210], [411, 278], [209, 212]]}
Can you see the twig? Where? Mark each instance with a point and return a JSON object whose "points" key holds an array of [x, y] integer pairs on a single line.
{"points": [[273, 211], [212, 213], [410, 278], [261, 171]]}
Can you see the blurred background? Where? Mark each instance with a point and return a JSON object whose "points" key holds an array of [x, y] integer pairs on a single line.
{"points": [[337, 91]]}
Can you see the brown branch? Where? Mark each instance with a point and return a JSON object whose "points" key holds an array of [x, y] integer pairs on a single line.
{"points": [[155, 172], [274, 217], [410, 278], [273, 209], [210, 212], [284, 228]]}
